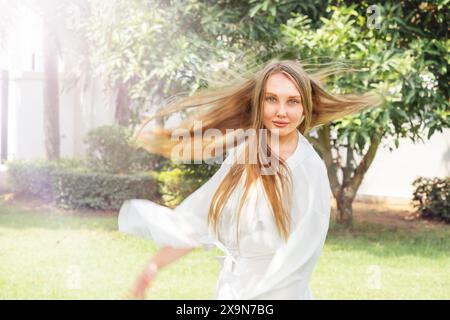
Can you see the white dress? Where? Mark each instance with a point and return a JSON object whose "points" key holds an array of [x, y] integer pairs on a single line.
{"points": [[265, 266]]}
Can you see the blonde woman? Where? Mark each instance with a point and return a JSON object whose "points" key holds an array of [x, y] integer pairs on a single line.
{"points": [[271, 223]]}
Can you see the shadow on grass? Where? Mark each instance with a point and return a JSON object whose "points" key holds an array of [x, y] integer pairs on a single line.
{"points": [[391, 241]]}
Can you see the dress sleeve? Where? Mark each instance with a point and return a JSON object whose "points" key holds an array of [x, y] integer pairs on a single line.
{"points": [[295, 260], [185, 226]]}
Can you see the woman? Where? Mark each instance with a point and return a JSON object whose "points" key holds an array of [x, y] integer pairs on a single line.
{"points": [[271, 224]]}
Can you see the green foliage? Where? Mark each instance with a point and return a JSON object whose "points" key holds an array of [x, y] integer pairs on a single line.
{"points": [[407, 71], [86, 189], [157, 48], [31, 178], [110, 149], [70, 184], [432, 197], [161, 48], [173, 187], [178, 181]]}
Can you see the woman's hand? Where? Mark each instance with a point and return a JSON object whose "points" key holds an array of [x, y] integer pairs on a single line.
{"points": [[162, 258], [144, 280]]}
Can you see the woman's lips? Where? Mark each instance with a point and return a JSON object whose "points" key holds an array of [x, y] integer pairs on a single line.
{"points": [[280, 124]]}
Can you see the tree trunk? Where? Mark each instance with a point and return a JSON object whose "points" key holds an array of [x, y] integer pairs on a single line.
{"points": [[352, 173], [344, 210], [51, 92], [122, 114]]}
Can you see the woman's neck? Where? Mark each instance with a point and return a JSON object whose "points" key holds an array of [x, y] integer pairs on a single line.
{"points": [[286, 144], [289, 140]]}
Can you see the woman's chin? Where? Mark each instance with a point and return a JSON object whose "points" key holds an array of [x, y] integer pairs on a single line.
{"points": [[280, 131]]}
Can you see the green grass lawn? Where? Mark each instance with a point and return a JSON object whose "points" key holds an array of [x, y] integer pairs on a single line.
{"points": [[45, 254]]}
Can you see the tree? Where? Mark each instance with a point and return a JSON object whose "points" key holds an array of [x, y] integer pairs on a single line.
{"points": [[51, 85], [408, 71], [154, 49]]}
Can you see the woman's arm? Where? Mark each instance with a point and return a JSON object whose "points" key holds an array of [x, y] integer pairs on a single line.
{"points": [[185, 226], [167, 255], [162, 258], [175, 231]]}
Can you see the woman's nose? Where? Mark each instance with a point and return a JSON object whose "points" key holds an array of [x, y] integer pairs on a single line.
{"points": [[281, 110]]}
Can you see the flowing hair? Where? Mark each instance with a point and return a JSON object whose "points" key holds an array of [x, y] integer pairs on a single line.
{"points": [[237, 103]]}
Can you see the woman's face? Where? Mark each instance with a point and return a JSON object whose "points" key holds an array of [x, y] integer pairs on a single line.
{"points": [[282, 108]]}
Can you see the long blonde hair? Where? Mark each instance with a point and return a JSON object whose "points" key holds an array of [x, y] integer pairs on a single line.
{"points": [[238, 104]]}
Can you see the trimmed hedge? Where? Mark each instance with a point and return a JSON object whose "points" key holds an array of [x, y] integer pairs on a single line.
{"points": [[432, 197], [33, 177], [78, 189], [75, 186]]}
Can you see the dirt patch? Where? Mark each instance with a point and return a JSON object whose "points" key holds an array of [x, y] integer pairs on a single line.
{"points": [[397, 215]]}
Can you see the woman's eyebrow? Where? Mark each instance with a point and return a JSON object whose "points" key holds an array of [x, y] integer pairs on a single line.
{"points": [[297, 96]]}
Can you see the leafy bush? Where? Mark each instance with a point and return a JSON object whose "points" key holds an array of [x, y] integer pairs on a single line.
{"points": [[178, 181], [109, 149], [33, 177], [141, 160], [432, 197], [71, 184], [77, 188]]}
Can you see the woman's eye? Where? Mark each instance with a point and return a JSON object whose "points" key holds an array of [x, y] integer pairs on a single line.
{"points": [[273, 99]]}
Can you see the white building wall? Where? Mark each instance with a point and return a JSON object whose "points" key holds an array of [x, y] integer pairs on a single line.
{"points": [[392, 173], [78, 115]]}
